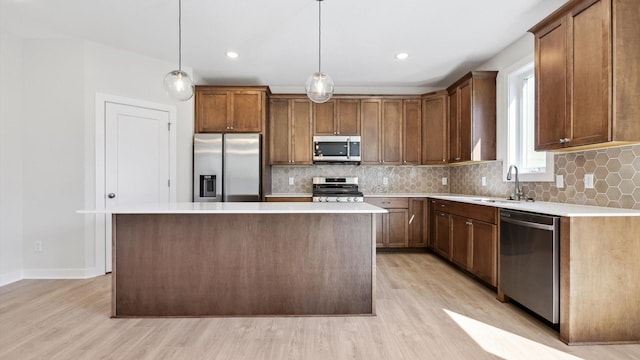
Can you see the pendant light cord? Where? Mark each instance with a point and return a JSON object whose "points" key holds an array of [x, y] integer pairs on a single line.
{"points": [[319, 36], [180, 35]]}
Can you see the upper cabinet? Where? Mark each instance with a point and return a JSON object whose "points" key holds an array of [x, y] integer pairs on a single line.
{"points": [[391, 131], [435, 135], [587, 78], [412, 129], [337, 117], [230, 109], [472, 117], [290, 131]]}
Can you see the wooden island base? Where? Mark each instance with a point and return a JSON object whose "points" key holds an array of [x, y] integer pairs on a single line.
{"points": [[243, 264]]}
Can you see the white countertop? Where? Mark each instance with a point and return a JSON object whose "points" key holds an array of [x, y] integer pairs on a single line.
{"points": [[543, 207], [245, 208], [285, 195]]}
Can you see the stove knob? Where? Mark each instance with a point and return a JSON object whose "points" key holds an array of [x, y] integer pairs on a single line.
{"points": [[323, 199], [351, 199]]}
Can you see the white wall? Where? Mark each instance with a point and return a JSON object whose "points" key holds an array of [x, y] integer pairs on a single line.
{"points": [[47, 166], [10, 158], [53, 157]]}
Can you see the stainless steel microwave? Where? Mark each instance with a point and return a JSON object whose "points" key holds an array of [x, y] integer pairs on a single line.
{"points": [[336, 149]]}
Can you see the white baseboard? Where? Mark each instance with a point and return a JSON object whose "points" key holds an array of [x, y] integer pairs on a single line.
{"points": [[79, 273], [8, 278]]}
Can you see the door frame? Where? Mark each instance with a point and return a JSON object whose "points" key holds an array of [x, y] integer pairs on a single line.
{"points": [[100, 165]]}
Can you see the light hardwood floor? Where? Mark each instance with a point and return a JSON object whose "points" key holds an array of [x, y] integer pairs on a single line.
{"points": [[426, 310]]}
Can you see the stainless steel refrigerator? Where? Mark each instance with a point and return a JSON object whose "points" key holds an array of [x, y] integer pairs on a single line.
{"points": [[226, 167]]}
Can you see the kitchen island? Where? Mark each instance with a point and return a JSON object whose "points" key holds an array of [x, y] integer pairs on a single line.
{"points": [[244, 259]]}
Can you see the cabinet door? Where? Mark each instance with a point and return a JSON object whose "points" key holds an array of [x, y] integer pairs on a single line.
{"points": [[431, 225], [551, 86], [279, 152], [392, 132], [348, 116], [246, 111], [443, 240], [398, 229], [412, 129], [211, 111], [371, 132], [301, 142], [324, 118], [484, 240], [464, 121], [589, 64], [435, 142], [460, 235], [418, 227], [454, 126]]}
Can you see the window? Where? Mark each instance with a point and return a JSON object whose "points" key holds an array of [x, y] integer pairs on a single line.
{"points": [[532, 165]]}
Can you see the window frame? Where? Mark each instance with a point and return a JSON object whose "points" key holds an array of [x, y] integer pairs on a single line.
{"points": [[510, 150]]}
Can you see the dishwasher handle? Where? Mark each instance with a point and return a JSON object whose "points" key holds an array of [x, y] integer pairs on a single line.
{"points": [[528, 224]]}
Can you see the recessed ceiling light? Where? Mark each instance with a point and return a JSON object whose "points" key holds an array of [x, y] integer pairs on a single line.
{"points": [[232, 54], [402, 56]]}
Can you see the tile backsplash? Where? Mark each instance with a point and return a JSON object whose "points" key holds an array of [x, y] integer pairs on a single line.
{"points": [[401, 179], [616, 174]]}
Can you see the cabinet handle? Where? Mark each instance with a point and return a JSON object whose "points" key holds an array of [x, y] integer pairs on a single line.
{"points": [[433, 201], [412, 216], [564, 141], [338, 132], [457, 159], [442, 205], [469, 223]]}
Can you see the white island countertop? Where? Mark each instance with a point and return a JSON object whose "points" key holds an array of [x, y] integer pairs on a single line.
{"points": [[244, 208]]}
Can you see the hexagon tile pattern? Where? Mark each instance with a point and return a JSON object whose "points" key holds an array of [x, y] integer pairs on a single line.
{"points": [[616, 173], [401, 179]]}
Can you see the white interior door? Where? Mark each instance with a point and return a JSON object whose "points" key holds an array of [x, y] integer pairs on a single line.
{"points": [[137, 159]]}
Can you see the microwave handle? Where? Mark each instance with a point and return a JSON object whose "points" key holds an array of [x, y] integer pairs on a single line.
{"points": [[348, 148]]}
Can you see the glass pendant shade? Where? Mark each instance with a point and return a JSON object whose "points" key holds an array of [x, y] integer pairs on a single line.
{"points": [[319, 87], [178, 85]]}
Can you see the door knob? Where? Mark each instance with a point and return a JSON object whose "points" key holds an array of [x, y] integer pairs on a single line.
{"points": [[111, 195]]}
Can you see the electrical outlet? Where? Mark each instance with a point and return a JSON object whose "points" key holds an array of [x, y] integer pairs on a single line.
{"points": [[559, 181], [291, 181], [37, 246], [588, 181], [444, 181], [385, 181], [484, 181]]}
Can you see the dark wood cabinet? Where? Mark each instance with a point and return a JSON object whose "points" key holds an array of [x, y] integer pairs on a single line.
{"points": [[412, 130], [418, 222], [391, 135], [392, 229], [467, 235], [460, 240], [472, 117], [442, 243], [435, 135], [337, 117], [290, 131], [586, 68], [230, 109], [371, 110], [484, 254]]}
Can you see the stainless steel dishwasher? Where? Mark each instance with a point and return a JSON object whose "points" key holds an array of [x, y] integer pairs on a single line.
{"points": [[530, 261]]}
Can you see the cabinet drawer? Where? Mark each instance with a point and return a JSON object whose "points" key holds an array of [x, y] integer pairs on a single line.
{"points": [[488, 214], [388, 203]]}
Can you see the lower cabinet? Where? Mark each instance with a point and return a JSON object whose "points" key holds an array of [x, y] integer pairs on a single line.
{"points": [[467, 235], [405, 224]]}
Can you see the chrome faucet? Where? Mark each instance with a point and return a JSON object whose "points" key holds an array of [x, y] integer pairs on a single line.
{"points": [[517, 191]]}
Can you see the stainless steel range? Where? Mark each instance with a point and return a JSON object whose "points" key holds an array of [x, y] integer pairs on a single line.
{"points": [[336, 189]]}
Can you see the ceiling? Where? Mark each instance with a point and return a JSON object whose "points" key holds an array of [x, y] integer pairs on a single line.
{"points": [[278, 40]]}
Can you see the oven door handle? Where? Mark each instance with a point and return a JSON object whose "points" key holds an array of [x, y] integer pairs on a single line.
{"points": [[528, 224], [348, 148]]}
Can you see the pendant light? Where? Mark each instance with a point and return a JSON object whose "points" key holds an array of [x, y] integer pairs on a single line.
{"points": [[177, 83], [319, 86]]}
